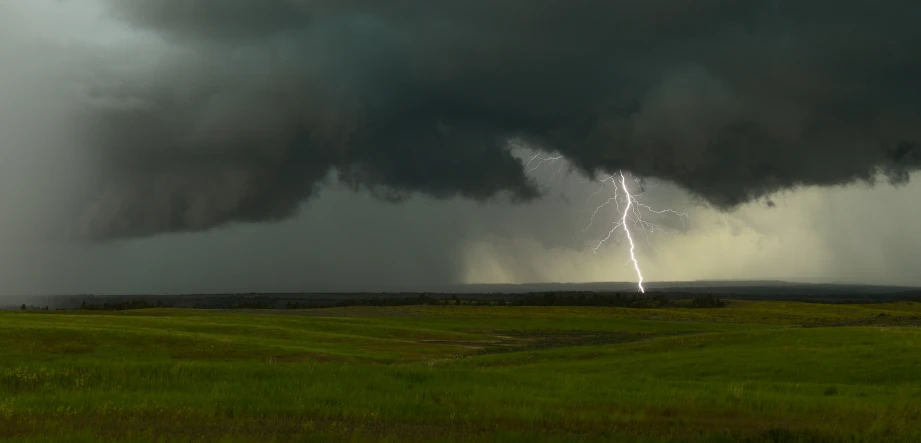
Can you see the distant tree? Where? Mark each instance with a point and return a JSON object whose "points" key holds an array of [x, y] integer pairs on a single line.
{"points": [[707, 301]]}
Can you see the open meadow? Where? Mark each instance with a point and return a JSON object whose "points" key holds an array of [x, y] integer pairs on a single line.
{"points": [[752, 371]]}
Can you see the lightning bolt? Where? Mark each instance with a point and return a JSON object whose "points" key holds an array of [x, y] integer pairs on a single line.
{"points": [[628, 206], [631, 214], [623, 222], [542, 160]]}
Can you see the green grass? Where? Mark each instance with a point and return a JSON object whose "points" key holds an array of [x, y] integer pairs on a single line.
{"points": [[748, 372]]}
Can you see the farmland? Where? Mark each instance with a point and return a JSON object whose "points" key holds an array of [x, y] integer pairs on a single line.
{"points": [[751, 371]]}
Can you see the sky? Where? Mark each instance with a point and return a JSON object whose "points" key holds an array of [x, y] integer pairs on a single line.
{"points": [[287, 145]]}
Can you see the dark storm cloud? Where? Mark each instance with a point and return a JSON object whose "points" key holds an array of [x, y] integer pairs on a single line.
{"points": [[261, 99]]}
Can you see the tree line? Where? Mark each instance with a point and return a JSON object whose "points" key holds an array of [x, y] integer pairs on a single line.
{"points": [[562, 298], [121, 305]]}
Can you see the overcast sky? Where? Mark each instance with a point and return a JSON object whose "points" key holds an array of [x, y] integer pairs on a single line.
{"points": [[149, 147]]}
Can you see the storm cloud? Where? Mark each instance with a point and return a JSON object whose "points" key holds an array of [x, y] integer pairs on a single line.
{"points": [[248, 107]]}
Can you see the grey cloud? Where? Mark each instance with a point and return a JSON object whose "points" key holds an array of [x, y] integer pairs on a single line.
{"points": [[256, 103]]}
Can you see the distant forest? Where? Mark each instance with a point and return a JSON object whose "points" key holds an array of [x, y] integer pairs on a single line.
{"points": [[580, 298], [553, 295], [280, 301]]}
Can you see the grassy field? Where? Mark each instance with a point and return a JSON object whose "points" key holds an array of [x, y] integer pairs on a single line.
{"points": [[753, 371]]}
